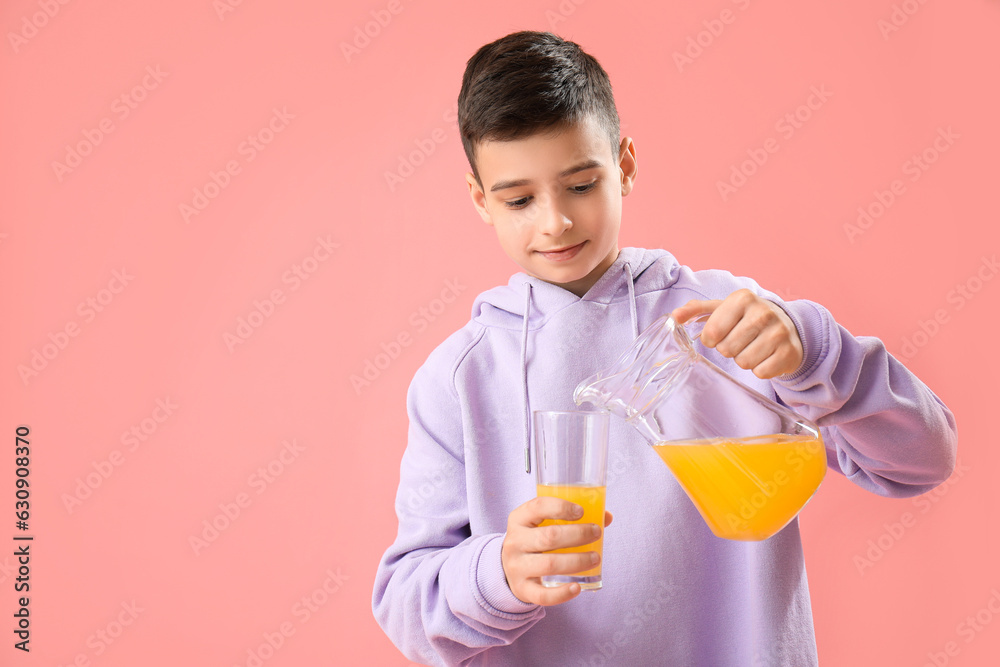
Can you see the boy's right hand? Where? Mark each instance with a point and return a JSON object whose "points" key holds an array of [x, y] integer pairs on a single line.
{"points": [[522, 555]]}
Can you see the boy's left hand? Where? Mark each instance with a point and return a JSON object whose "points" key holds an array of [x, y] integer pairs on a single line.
{"points": [[754, 332]]}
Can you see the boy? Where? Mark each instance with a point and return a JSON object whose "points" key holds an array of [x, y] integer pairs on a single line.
{"points": [[460, 585]]}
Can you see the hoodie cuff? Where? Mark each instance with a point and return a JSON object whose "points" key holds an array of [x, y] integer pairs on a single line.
{"points": [[493, 592], [808, 320]]}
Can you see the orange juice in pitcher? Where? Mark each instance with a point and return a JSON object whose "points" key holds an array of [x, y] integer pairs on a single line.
{"points": [[747, 462], [747, 488]]}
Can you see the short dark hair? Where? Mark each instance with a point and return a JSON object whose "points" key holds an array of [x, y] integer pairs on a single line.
{"points": [[530, 82]]}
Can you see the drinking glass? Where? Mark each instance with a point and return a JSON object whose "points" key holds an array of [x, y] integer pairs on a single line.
{"points": [[571, 454]]}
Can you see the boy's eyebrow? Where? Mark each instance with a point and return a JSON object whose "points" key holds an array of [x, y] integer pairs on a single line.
{"points": [[588, 164]]}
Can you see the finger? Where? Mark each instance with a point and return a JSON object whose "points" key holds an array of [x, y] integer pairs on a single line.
{"points": [[755, 353], [737, 323], [540, 565], [718, 327], [537, 510], [547, 538], [548, 597], [779, 363], [693, 308], [608, 518]]}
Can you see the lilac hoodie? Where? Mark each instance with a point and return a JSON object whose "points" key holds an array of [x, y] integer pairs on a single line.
{"points": [[674, 594]]}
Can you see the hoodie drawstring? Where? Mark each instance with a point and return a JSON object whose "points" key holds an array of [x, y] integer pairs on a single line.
{"points": [[631, 299], [524, 378]]}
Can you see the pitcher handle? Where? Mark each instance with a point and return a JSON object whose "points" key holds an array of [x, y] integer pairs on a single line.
{"points": [[699, 323]]}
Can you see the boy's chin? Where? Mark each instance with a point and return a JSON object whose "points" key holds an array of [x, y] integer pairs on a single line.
{"points": [[566, 280], [557, 277]]}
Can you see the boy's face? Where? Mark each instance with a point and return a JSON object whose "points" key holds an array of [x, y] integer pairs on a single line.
{"points": [[559, 222]]}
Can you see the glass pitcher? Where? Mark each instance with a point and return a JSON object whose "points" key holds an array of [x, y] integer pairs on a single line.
{"points": [[748, 464]]}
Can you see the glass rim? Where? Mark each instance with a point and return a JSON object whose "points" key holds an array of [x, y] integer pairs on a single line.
{"points": [[571, 412]]}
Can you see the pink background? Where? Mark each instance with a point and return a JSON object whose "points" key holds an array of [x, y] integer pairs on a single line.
{"points": [[893, 581]]}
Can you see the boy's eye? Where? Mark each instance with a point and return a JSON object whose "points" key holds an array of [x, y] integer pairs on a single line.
{"points": [[576, 189]]}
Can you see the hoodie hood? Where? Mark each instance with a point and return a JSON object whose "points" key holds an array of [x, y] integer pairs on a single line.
{"points": [[505, 306], [527, 303]]}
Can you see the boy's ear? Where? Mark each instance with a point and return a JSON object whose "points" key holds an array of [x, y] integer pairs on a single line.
{"points": [[627, 165], [478, 198]]}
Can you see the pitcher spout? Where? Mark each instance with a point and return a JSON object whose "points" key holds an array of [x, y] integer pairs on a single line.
{"points": [[607, 393], [594, 390], [642, 377]]}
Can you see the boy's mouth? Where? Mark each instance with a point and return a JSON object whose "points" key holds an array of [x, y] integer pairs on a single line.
{"points": [[562, 254]]}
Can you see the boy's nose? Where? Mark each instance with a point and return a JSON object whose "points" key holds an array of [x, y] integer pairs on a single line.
{"points": [[552, 220]]}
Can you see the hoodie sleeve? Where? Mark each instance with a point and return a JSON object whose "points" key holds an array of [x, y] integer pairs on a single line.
{"points": [[440, 592], [884, 429], [890, 434]]}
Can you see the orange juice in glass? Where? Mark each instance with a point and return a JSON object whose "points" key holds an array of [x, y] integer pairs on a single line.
{"points": [[591, 499], [571, 452]]}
